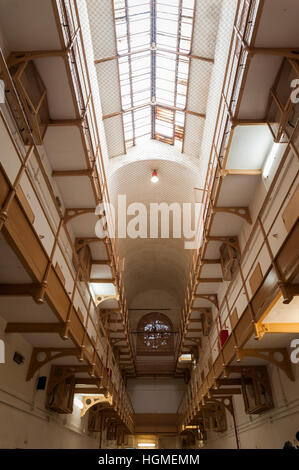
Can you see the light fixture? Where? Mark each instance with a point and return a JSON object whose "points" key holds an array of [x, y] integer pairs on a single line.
{"points": [[146, 444], [154, 178], [270, 160], [185, 358]]}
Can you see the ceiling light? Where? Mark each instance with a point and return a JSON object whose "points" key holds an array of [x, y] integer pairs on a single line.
{"points": [[146, 444], [185, 358], [154, 178]]}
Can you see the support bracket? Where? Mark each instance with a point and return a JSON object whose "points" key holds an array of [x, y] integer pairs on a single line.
{"points": [[90, 401], [242, 212], [41, 356], [269, 355]]}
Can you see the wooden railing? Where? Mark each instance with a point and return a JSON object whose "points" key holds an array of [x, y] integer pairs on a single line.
{"points": [[237, 65], [237, 298], [25, 173], [71, 32], [260, 250]]}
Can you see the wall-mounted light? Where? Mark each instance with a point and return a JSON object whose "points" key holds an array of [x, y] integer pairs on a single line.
{"points": [[18, 358], [155, 177]]}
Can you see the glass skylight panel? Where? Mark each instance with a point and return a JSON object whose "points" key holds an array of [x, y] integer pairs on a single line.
{"points": [[153, 41]]}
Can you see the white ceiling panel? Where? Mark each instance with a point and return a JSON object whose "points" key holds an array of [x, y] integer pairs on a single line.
{"points": [[54, 75], [25, 309], [64, 148], [262, 72], [73, 197], [250, 146], [278, 24], [237, 190], [16, 19]]}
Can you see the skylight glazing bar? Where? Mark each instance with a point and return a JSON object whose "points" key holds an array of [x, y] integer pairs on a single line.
{"points": [[153, 50], [189, 68], [118, 23], [153, 66], [130, 68], [177, 64]]}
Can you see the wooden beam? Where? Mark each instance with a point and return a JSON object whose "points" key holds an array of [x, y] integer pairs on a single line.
{"points": [[161, 49], [59, 173], [111, 115], [265, 328], [192, 338], [210, 297], [210, 279], [289, 291], [289, 52], [111, 309], [101, 262], [242, 212], [172, 108], [226, 391], [18, 57], [19, 289], [105, 59], [81, 241], [201, 309], [34, 328], [248, 122], [90, 391], [65, 122], [221, 382], [210, 261], [73, 212], [241, 172], [194, 113], [97, 280], [87, 381]]}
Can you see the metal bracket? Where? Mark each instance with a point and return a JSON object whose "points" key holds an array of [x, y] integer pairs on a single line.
{"points": [[41, 356], [210, 297], [242, 212], [90, 401], [268, 355]]}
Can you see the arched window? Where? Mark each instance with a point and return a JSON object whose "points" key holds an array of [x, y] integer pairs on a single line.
{"points": [[155, 334]]}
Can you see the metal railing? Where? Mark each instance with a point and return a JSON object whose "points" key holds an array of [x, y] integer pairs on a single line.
{"points": [[29, 156]]}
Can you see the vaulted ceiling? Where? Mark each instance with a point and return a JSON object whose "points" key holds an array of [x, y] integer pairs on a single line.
{"points": [[157, 80], [154, 61]]}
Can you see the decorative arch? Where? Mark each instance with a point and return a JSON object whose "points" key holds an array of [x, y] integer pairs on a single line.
{"points": [[155, 335]]}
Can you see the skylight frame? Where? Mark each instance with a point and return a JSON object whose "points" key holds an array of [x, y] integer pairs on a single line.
{"points": [[164, 60]]}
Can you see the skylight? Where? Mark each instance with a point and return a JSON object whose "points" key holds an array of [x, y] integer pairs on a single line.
{"points": [[153, 46]]}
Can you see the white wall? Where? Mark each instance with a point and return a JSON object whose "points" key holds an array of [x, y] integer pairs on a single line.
{"points": [[24, 421], [156, 395], [269, 430]]}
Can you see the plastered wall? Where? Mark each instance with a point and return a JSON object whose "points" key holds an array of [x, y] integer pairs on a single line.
{"points": [[24, 421], [156, 395], [269, 430]]}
